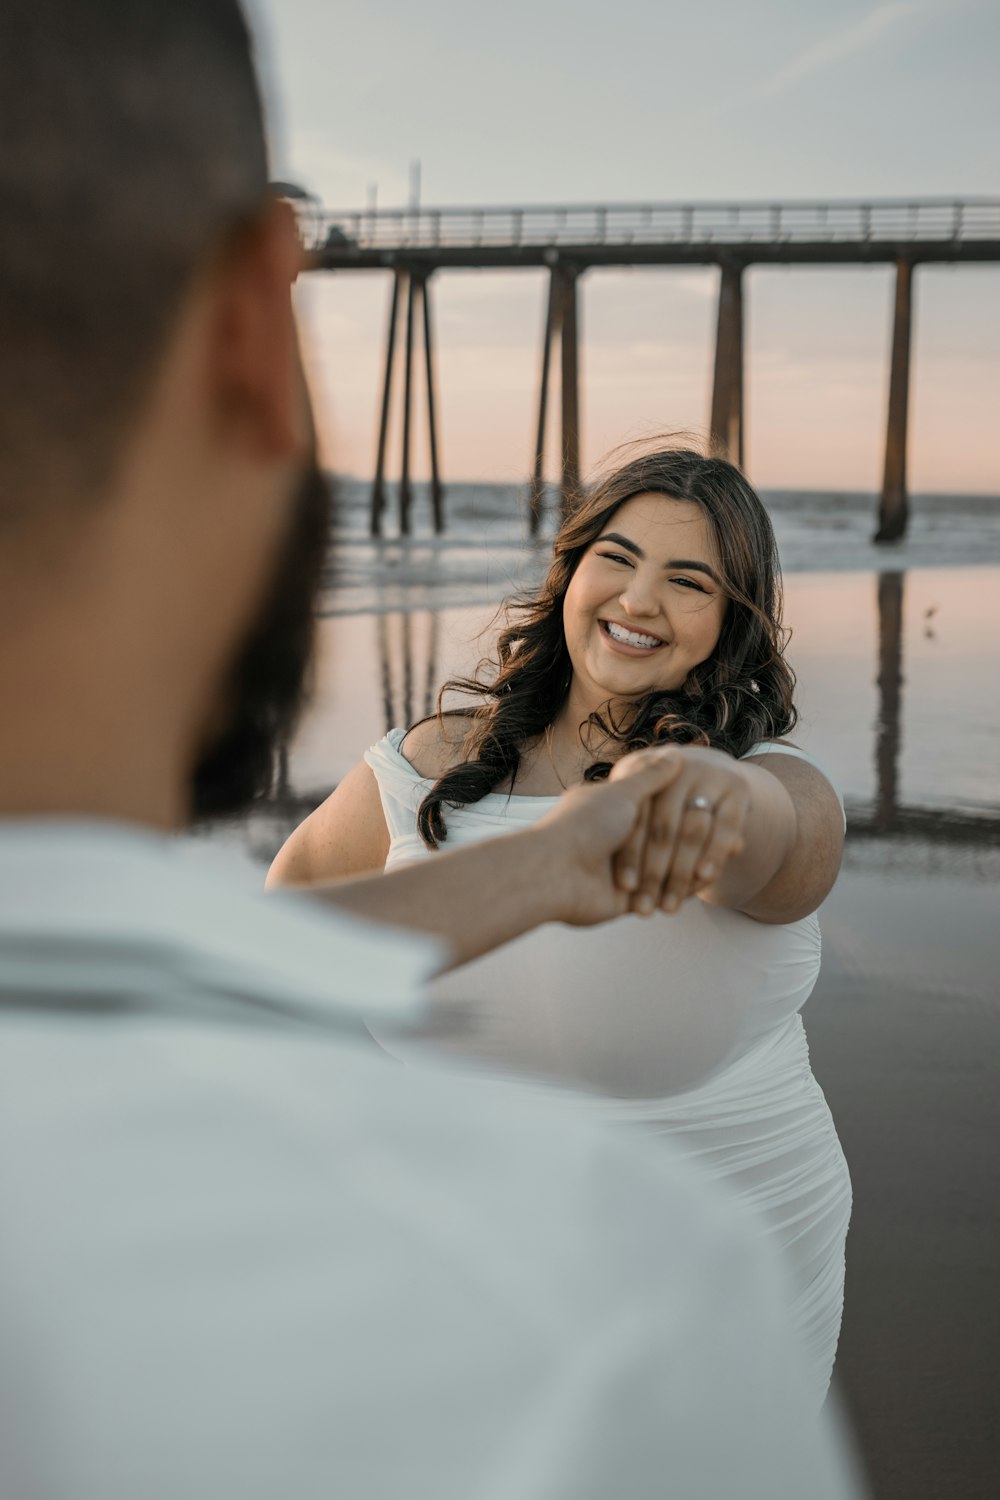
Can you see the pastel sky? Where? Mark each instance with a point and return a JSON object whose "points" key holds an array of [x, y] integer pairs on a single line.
{"points": [[545, 101]]}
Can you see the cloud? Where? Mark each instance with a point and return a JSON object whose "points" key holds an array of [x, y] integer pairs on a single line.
{"points": [[834, 49]]}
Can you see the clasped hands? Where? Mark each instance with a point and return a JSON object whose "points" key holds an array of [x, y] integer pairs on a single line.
{"points": [[663, 828], [686, 834]]}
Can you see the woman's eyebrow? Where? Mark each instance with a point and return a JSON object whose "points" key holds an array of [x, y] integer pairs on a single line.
{"points": [[694, 567], [623, 541], [675, 562]]}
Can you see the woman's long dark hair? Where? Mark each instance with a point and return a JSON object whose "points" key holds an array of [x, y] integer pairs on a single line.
{"points": [[740, 695]]}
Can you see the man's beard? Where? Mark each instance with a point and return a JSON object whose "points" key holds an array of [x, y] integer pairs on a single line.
{"points": [[270, 680]]}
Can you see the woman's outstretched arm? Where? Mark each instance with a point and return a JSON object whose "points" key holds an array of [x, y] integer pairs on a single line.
{"points": [[762, 839], [788, 867]]}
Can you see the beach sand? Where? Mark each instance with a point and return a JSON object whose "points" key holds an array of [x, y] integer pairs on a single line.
{"points": [[909, 1071], [898, 695]]}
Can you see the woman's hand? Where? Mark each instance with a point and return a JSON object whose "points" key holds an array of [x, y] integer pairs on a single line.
{"points": [[584, 836], [686, 835]]}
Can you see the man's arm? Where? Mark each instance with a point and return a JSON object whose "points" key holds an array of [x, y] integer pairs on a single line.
{"points": [[477, 897]]}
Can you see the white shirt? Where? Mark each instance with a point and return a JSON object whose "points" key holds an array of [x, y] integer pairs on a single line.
{"points": [[243, 1253]]}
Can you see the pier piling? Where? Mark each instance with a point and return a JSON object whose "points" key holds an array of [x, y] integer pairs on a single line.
{"points": [[570, 392], [414, 280], [437, 492], [405, 495], [538, 472], [562, 319], [726, 424], [894, 504], [378, 488]]}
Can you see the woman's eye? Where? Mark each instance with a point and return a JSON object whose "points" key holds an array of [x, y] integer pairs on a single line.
{"points": [[689, 583], [615, 557]]}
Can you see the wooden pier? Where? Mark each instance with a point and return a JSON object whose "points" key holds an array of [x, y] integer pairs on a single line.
{"points": [[413, 245]]}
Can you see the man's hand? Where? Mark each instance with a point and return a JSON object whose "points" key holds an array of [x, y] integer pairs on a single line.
{"points": [[582, 836]]}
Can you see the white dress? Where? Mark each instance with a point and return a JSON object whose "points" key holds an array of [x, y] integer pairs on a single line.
{"points": [[687, 1025]]}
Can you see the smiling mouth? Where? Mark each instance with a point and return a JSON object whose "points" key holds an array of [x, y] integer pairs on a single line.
{"points": [[639, 640]]}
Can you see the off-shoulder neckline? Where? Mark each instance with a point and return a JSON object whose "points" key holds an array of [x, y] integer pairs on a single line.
{"points": [[395, 739]]}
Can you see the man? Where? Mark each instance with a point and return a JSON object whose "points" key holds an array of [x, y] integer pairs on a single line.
{"points": [[242, 1253]]}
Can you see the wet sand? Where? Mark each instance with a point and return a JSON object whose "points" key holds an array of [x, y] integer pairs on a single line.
{"points": [[932, 744], [897, 689], [910, 1075]]}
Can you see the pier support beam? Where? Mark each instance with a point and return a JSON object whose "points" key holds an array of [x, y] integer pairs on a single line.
{"points": [[570, 394], [538, 469], [378, 488], [726, 425], [890, 697], [405, 495], [413, 282], [437, 491], [562, 321], [894, 505]]}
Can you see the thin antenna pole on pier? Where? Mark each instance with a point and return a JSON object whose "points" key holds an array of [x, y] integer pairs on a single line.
{"points": [[570, 392], [538, 475], [436, 490], [894, 505], [378, 488], [405, 494], [726, 424]]}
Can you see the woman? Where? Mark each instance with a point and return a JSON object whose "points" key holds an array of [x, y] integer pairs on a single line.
{"points": [[657, 630]]}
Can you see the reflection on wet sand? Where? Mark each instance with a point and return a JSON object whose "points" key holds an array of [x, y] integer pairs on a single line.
{"points": [[887, 816], [393, 664], [400, 668], [890, 688]]}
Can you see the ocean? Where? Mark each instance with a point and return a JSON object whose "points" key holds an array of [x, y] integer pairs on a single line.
{"points": [[486, 553]]}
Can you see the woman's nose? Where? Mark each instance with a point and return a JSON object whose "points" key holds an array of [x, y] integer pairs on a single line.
{"points": [[639, 597]]}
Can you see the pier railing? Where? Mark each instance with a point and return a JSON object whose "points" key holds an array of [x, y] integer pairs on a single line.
{"points": [[939, 220]]}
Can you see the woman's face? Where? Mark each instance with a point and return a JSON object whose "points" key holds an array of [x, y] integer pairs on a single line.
{"points": [[646, 603]]}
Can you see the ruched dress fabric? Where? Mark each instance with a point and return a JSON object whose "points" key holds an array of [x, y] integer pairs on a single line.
{"points": [[685, 1025]]}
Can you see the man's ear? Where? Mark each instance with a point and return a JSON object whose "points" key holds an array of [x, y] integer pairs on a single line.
{"points": [[254, 364]]}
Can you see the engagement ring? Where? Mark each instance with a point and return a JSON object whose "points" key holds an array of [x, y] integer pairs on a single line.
{"points": [[701, 803]]}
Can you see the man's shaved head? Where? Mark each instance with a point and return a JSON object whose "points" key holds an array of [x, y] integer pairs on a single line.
{"points": [[133, 142]]}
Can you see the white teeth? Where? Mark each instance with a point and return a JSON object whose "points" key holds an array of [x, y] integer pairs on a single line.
{"points": [[630, 637]]}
